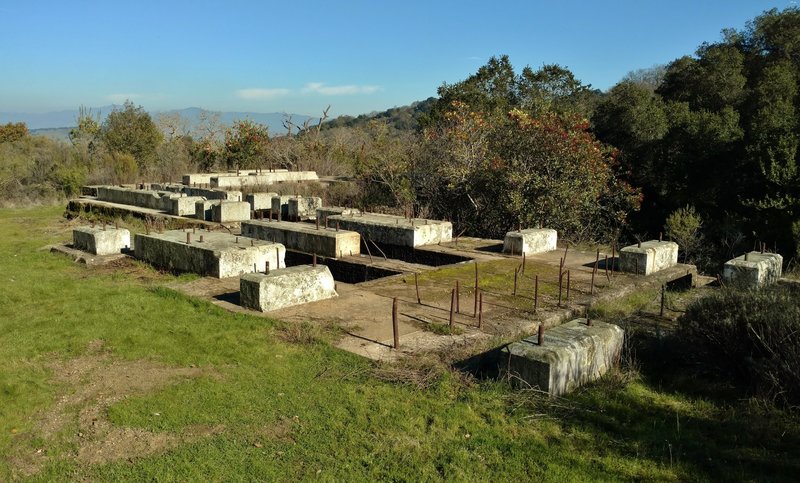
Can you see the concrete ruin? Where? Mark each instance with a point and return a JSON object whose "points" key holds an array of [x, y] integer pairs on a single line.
{"points": [[305, 237], [260, 201], [303, 207], [280, 206], [530, 241], [154, 200], [648, 257], [101, 239], [261, 179], [326, 211], [284, 288], [201, 179], [395, 230], [203, 209], [184, 206], [230, 211], [753, 270], [213, 254], [571, 355]]}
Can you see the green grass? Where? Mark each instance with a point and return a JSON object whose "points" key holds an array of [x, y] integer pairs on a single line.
{"points": [[288, 405]]}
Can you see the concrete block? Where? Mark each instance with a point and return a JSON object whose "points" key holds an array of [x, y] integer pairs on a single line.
{"points": [[285, 288], [228, 211], [203, 209], [651, 257], [395, 230], [572, 355], [262, 179], [753, 270], [155, 200], [326, 211], [280, 204], [99, 241], [260, 201], [530, 241], [219, 255], [305, 237], [304, 207], [184, 205]]}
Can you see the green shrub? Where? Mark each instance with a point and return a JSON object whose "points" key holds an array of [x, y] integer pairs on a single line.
{"points": [[754, 333]]}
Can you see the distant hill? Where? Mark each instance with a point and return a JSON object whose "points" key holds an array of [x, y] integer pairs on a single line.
{"points": [[57, 133], [57, 120], [404, 118]]}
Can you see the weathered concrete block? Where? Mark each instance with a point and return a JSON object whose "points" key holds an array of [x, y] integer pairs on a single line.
{"points": [[155, 200], [530, 241], [396, 230], [203, 209], [184, 205], [755, 269], [260, 201], [219, 255], [326, 211], [651, 257], [305, 237], [572, 354], [304, 207], [228, 211], [280, 206], [99, 241], [261, 179], [284, 288]]}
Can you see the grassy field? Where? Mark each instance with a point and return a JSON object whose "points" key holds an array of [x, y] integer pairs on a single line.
{"points": [[106, 374]]}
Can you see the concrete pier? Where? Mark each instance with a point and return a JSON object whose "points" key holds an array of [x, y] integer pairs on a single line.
{"points": [[260, 201], [99, 241], [530, 241], [395, 230], [230, 211], [648, 258], [285, 288], [305, 237], [304, 207], [570, 356], [753, 270], [219, 255]]}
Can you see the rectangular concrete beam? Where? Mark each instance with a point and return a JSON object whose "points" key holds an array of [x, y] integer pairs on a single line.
{"points": [[305, 237], [230, 211], [262, 179], [260, 201], [203, 209], [285, 288], [184, 206], [304, 207], [219, 255], [530, 241], [326, 211], [648, 258], [571, 355], [101, 241], [280, 206], [395, 230], [755, 269]]}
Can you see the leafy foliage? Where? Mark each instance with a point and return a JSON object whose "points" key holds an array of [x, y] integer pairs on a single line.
{"points": [[130, 130]]}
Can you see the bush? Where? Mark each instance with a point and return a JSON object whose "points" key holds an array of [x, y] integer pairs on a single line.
{"points": [[755, 334]]}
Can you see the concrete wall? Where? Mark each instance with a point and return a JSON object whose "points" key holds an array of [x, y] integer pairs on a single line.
{"points": [[229, 211], [218, 255], [305, 237], [395, 230], [184, 206], [207, 193], [572, 355], [303, 208], [326, 211], [651, 257], [757, 270], [260, 201], [101, 241], [233, 181], [155, 200], [285, 288], [203, 209], [530, 241]]}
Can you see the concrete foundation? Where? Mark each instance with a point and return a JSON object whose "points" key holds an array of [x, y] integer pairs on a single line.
{"points": [[154, 200], [648, 258], [325, 211], [530, 241], [99, 241], [305, 237], [230, 211], [260, 201], [753, 270], [303, 208], [205, 178], [203, 209], [184, 206], [285, 288], [280, 205], [219, 255], [572, 355], [395, 230], [207, 193], [263, 179]]}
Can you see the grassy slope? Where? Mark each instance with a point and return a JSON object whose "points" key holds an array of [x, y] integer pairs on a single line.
{"points": [[338, 421]]}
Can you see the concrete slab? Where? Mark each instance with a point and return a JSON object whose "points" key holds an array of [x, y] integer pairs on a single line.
{"points": [[263, 179], [752, 270], [305, 237], [530, 241], [396, 230], [218, 255], [260, 201], [571, 355], [101, 239], [228, 211], [285, 288], [304, 207], [648, 258]]}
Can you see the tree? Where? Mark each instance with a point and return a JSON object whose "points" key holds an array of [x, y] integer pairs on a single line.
{"points": [[13, 132], [246, 145], [131, 130]]}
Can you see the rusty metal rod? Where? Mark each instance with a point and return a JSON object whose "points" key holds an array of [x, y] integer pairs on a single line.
{"points": [[535, 293], [395, 328], [452, 306], [416, 285], [480, 309], [541, 334]]}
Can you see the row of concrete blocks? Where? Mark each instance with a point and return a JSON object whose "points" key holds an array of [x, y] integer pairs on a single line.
{"points": [[247, 178], [204, 179]]}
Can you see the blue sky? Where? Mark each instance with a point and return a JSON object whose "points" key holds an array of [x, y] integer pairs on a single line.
{"points": [[298, 57]]}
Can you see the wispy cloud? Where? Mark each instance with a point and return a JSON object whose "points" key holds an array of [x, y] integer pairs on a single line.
{"points": [[321, 88], [120, 98], [261, 93]]}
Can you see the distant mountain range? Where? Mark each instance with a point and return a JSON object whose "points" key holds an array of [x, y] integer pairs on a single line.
{"points": [[52, 121]]}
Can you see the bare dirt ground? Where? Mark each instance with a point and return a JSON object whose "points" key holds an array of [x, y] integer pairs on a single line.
{"points": [[88, 386]]}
